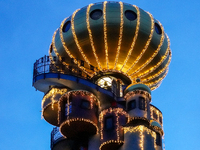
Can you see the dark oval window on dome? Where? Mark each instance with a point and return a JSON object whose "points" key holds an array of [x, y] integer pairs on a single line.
{"points": [[130, 15], [66, 26], [96, 14], [158, 28]]}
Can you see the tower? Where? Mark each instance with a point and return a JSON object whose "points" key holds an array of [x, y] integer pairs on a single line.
{"points": [[104, 61]]}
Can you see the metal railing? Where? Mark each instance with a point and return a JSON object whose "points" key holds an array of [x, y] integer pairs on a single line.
{"points": [[45, 65], [56, 136]]}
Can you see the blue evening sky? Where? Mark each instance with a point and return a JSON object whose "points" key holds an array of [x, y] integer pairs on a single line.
{"points": [[26, 29]]}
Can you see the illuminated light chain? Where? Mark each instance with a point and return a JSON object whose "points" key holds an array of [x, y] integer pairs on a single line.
{"points": [[153, 88], [116, 111], [52, 94], [75, 93], [163, 58], [154, 54], [141, 129], [147, 43], [141, 139], [158, 73], [134, 39], [105, 33], [151, 84], [63, 42], [67, 50], [158, 113], [120, 34], [117, 129], [50, 55], [111, 141], [133, 93], [56, 52], [76, 39], [157, 129], [78, 119], [90, 36], [54, 46]]}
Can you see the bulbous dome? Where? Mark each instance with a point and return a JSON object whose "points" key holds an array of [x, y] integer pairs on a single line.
{"points": [[114, 37]]}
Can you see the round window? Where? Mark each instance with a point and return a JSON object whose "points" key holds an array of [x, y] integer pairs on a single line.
{"points": [[130, 15], [66, 26], [96, 14], [158, 28]]}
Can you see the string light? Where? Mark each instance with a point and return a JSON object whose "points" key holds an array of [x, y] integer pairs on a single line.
{"points": [[120, 34], [91, 37], [134, 39], [147, 43], [111, 142], [134, 92], [163, 58], [151, 84], [67, 122], [157, 112], [105, 33], [117, 112], [141, 129], [76, 39], [51, 94], [154, 54]]}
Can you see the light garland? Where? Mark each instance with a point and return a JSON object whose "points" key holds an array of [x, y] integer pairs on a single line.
{"points": [[151, 84], [109, 142], [147, 43], [163, 58], [134, 39], [133, 93], [158, 113], [78, 119], [141, 129], [120, 34], [75, 93], [76, 39], [158, 73], [91, 37], [116, 111], [154, 54], [105, 33], [51, 94]]}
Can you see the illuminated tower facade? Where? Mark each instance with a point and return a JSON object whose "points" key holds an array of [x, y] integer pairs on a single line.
{"points": [[103, 63]]}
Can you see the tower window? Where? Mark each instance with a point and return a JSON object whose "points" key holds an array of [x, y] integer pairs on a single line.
{"points": [[131, 105], [160, 119], [96, 14], [155, 116], [141, 103], [85, 104], [109, 123], [158, 28], [66, 26], [130, 15], [158, 139]]}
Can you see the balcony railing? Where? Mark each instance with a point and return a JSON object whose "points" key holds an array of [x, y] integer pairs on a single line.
{"points": [[45, 65], [56, 136]]}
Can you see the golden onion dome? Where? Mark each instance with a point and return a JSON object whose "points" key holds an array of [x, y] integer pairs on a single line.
{"points": [[114, 37]]}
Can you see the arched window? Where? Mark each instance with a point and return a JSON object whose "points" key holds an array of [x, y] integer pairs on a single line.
{"points": [[85, 104], [131, 105], [158, 139], [109, 123], [142, 104]]}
